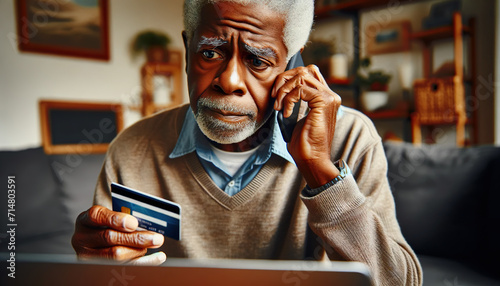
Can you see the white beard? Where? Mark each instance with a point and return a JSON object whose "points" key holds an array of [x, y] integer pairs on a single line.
{"points": [[223, 132]]}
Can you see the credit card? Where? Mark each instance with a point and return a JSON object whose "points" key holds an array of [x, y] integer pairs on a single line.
{"points": [[153, 213]]}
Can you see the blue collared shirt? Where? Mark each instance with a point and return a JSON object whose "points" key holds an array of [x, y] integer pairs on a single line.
{"points": [[191, 139]]}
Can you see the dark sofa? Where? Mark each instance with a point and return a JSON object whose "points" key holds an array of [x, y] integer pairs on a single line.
{"points": [[51, 190], [445, 201]]}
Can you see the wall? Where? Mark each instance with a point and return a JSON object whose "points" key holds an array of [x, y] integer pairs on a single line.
{"points": [[497, 76], [27, 77], [484, 12]]}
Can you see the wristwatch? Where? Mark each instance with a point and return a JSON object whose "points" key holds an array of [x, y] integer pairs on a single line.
{"points": [[344, 172]]}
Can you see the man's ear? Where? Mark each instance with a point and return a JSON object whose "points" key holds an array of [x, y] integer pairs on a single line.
{"points": [[186, 47], [302, 49]]}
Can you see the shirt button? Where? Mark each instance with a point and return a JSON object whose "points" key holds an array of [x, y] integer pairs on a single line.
{"points": [[231, 184]]}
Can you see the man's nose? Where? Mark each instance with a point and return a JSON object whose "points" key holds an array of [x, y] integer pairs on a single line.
{"points": [[231, 78]]}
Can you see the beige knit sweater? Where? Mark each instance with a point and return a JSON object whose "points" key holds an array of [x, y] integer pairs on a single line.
{"points": [[269, 219]]}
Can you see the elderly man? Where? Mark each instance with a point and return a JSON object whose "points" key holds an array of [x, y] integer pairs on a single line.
{"points": [[244, 192]]}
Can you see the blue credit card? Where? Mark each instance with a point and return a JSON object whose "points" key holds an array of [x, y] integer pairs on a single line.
{"points": [[153, 213]]}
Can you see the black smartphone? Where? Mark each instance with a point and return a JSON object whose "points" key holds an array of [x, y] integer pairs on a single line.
{"points": [[288, 124]]}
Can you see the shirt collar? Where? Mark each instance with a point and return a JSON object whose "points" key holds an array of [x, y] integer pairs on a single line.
{"points": [[191, 138]]}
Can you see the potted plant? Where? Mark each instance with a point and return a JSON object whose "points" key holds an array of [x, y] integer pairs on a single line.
{"points": [[374, 85], [153, 43]]}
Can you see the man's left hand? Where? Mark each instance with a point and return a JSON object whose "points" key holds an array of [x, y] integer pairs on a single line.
{"points": [[312, 137]]}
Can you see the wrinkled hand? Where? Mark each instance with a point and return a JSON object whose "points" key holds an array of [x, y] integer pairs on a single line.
{"points": [[102, 233], [312, 137]]}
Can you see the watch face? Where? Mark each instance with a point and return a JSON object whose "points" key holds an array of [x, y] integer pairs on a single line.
{"points": [[343, 168]]}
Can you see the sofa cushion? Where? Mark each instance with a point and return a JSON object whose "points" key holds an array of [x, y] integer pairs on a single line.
{"points": [[441, 271], [40, 213], [444, 198], [77, 174]]}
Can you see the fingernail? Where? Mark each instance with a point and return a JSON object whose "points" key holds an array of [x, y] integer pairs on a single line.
{"points": [[160, 256], [130, 223], [158, 239]]}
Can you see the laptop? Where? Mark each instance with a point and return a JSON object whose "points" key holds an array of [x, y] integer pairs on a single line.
{"points": [[67, 270]]}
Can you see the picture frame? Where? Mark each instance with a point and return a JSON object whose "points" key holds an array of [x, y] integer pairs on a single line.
{"points": [[389, 38], [75, 28], [71, 127]]}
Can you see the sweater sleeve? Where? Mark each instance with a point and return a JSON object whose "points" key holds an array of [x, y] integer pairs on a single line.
{"points": [[355, 218]]}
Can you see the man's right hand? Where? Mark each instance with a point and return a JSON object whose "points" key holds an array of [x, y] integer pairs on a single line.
{"points": [[102, 233]]}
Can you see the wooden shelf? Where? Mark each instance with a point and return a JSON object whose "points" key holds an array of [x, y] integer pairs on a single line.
{"points": [[436, 34], [148, 71], [342, 82], [456, 30], [432, 104], [354, 6], [388, 114]]}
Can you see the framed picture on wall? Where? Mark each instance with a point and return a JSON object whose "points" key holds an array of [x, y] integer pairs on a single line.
{"points": [[387, 38], [78, 28], [70, 127]]}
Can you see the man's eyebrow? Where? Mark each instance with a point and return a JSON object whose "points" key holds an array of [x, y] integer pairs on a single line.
{"points": [[261, 52], [213, 42]]}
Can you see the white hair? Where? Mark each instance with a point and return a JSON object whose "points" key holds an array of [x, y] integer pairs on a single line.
{"points": [[298, 15]]}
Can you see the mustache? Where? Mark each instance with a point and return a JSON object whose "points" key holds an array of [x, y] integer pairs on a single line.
{"points": [[221, 104]]}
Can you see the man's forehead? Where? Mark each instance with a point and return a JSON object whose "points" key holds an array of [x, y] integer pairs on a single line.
{"points": [[255, 27]]}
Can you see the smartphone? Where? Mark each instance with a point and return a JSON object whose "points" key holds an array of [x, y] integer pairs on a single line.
{"points": [[288, 124]]}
